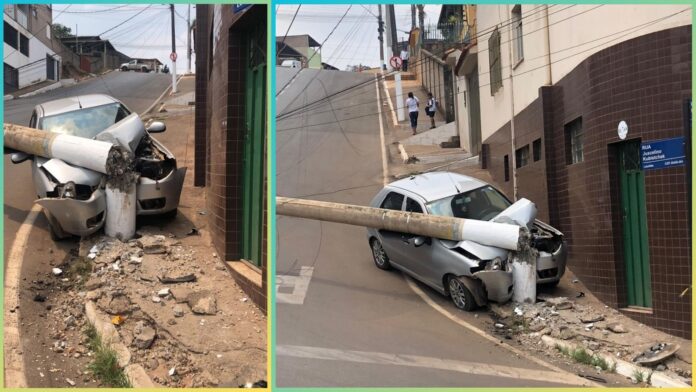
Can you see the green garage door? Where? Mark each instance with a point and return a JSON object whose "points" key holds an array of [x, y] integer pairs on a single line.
{"points": [[254, 146]]}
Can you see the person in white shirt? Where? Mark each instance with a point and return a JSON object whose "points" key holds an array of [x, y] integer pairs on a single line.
{"points": [[412, 105], [430, 109], [404, 59]]}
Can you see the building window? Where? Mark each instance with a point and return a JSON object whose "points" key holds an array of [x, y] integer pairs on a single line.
{"points": [[10, 35], [522, 156], [517, 47], [494, 67], [574, 141], [506, 167], [24, 44], [536, 150]]}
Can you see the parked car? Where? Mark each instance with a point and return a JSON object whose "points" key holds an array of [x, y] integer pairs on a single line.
{"points": [[291, 64], [135, 65], [470, 273], [73, 197]]}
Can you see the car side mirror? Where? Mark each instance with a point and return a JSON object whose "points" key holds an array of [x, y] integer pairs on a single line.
{"points": [[156, 127], [19, 157]]}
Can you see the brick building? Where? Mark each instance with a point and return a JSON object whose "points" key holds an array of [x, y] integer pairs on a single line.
{"points": [[574, 119], [230, 136]]}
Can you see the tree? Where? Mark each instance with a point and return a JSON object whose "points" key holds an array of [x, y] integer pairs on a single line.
{"points": [[61, 31]]}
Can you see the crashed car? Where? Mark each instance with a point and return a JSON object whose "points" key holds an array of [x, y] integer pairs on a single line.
{"points": [[72, 197], [470, 273]]}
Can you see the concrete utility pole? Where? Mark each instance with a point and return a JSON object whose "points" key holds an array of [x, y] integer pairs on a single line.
{"points": [[104, 60], [171, 8], [421, 17], [501, 235], [413, 16], [392, 40], [380, 29], [188, 40]]}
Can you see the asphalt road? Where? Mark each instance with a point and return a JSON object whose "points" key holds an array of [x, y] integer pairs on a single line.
{"points": [[137, 91], [347, 323]]}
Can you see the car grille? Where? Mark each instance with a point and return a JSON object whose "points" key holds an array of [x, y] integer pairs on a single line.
{"points": [[547, 273]]}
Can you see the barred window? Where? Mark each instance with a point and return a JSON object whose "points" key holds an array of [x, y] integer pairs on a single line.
{"points": [[494, 67], [574, 141]]}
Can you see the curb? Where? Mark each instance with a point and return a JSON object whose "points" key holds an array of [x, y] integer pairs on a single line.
{"points": [[626, 369], [8, 97], [110, 337], [149, 109], [58, 84]]}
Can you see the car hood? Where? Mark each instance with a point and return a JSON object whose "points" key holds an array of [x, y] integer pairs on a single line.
{"points": [[64, 172], [126, 133]]}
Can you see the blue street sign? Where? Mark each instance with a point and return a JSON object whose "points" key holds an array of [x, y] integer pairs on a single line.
{"points": [[239, 7], [660, 154]]}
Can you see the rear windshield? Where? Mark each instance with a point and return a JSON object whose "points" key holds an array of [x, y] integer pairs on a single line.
{"points": [[481, 204], [85, 123]]}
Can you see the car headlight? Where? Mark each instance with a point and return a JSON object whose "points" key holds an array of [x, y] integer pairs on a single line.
{"points": [[495, 264]]}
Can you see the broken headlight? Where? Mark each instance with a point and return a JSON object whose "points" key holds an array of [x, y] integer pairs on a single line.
{"points": [[496, 264], [68, 190]]}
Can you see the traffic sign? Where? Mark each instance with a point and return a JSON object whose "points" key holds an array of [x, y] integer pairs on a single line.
{"points": [[172, 56], [395, 62]]}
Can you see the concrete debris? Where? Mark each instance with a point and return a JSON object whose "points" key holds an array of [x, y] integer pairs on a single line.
{"points": [[172, 371], [156, 299], [590, 318], [71, 382], [661, 368], [153, 244], [93, 283], [202, 303], [118, 303], [179, 279], [69, 322], [518, 311], [560, 303], [178, 311], [616, 328], [144, 335], [57, 271], [656, 354], [164, 292]]}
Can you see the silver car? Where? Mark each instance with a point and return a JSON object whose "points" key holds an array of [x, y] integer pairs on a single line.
{"points": [[73, 197], [470, 273]]}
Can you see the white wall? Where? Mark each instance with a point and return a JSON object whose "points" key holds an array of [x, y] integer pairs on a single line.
{"points": [[575, 32], [37, 51]]}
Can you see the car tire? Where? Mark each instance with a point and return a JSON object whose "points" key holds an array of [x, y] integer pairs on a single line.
{"points": [[461, 296], [379, 256], [144, 69], [124, 69]]}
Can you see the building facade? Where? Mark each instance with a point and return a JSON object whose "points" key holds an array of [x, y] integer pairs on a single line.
{"points": [[307, 46], [230, 137], [593, 125], [29, 56]]}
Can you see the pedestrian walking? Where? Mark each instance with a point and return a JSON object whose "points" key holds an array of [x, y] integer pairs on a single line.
{"points": [[412, 105], [430, 109], [404, 58]]}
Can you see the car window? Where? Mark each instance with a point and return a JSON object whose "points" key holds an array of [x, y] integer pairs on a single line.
{"points": [[413, 206], [393, 201], [481, 204], [32, 122], [85, 123]]}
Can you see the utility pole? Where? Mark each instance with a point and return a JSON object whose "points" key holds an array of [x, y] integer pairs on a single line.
{"points": [[173, 55], [104, 67], [392, 40], [77, 48], [421, 17], [188, 40], [380, 29], [413, 16]]}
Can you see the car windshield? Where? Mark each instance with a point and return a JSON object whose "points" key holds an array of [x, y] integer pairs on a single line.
{"points": [[481, 204], [85, 123]]}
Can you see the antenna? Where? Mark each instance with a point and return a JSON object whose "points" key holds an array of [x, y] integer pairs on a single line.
{"points": [[78, 102], [456, 186]]}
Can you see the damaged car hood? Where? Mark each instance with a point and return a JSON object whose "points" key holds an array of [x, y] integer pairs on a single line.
{"points": [[126, 133], [64, 172]]}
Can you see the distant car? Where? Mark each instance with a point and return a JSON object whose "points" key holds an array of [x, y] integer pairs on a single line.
{"points": [[470, 273], [291, 64], [73, 197], [135, 65]]}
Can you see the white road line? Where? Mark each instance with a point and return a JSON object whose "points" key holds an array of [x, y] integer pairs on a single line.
{"points": [[391, 105], [299, 284], [385, 170], [558, 371], [14, 364], [418, 361]]}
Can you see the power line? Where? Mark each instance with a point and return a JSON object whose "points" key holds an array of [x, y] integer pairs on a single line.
{"points": [[127, 20], [288, 30]]}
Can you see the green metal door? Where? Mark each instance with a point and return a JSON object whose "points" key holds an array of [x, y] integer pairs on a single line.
{"points": [[254, 142], [635, 227]]}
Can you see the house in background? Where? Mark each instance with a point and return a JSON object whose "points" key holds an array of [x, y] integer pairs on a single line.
{"points": [[231, 137], [95, 54], [28, 53], [286, 52], [307, 46]]}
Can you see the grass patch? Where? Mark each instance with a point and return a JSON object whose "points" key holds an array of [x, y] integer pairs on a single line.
{"points": [[641, 377], [79, 267], [105, 364], [580, 355]]}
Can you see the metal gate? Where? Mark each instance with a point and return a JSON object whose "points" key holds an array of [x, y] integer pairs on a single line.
{"points": [[50, 68]]}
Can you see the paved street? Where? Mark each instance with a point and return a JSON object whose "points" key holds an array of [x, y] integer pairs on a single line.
{"points": [[138, 91], [341, 321]]}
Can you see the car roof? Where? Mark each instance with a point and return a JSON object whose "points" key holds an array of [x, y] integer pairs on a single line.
{"points": [[70, 104], [437, 185]]}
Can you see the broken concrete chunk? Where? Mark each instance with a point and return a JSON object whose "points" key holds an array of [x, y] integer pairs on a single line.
{"points": [[164, 292], [156, 299], [560, 303], [57, 271], [144, 335], [656, 353], [178, 279], [616, 328], [69, 322], [172, 371], [93, 283], [117, 304], [202, 303], [591, 318], [178, 311], [562, 332], [153, 244], [71, 382]]}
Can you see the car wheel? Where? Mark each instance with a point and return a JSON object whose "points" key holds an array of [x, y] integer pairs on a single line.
{"points": [[143, 69], [461, 296], [379, 255], [124, 69]]}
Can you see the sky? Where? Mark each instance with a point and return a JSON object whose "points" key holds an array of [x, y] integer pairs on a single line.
{"points": [[147, 35], [355, 39]]}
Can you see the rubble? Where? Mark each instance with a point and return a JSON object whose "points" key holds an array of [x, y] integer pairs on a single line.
{"points": [[616, 328], [202, 303], [57, 271], [144, 335], [178, 311]]}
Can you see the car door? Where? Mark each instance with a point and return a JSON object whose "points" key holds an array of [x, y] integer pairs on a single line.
{"points": [[391, 240], [416, 256]]}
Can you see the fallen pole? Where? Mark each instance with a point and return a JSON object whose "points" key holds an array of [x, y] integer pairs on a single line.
{"points": [[501, 235], [101, 156]]}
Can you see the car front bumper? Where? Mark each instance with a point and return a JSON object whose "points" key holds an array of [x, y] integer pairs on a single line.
{"points": [[78, 217], [551, 266], [157, 197]]}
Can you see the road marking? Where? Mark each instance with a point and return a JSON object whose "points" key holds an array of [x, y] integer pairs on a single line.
{"points": [[299, 285], [385, 170], [418, 361], [559, 372], [14, 364], [391, 105]]}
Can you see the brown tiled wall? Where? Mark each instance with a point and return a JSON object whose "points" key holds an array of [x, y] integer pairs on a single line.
{"points": [[643, 81]]}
